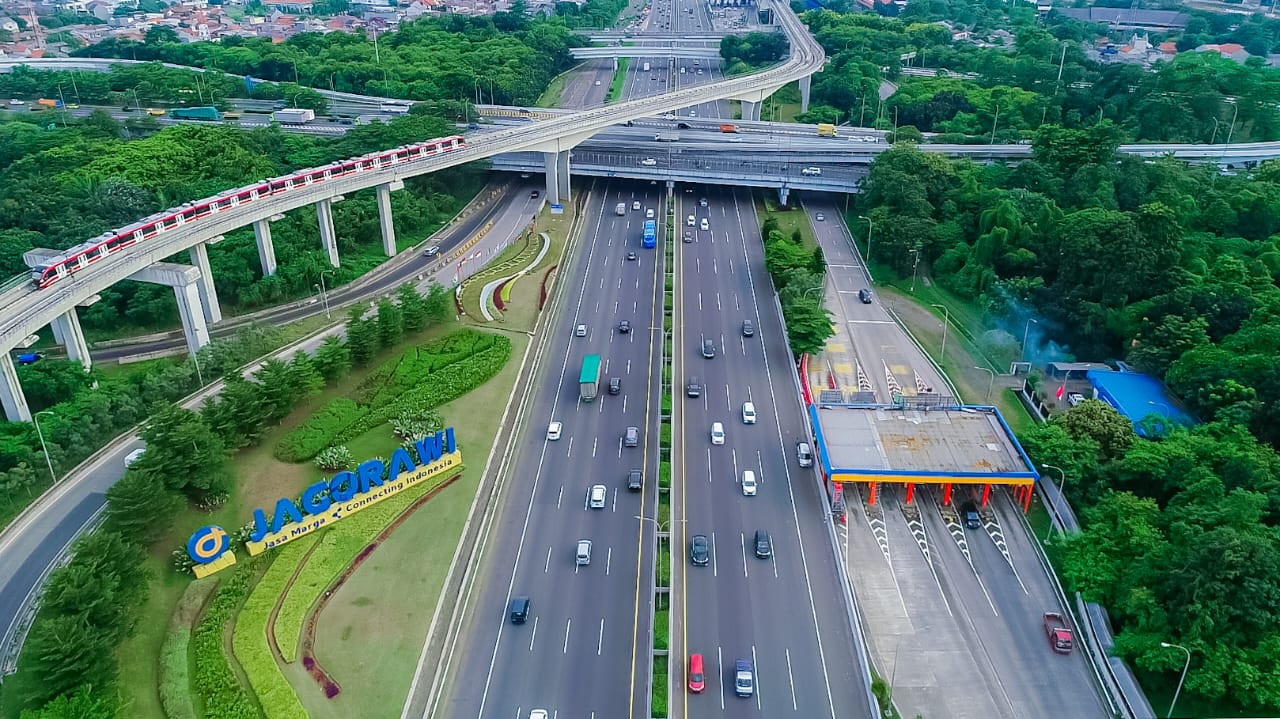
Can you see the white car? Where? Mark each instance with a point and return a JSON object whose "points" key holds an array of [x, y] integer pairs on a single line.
{"points": [[819, 217], [635, 205], [669, 116], [1074, 399], [597, 495], [648, 214], [690, 221], [15, 102], [581, 331], [538, 714], [705, 224], [134, 456], [717, 433], [693, 113], [811, 171], [748, 413], [748, 483], [553, 431], [648, 162]]}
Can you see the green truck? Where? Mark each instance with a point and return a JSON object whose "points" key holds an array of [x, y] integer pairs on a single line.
{"points": [[589, 378], [210, 114]]}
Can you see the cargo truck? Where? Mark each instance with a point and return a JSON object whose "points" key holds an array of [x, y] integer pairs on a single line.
{"points": [[46, 102], [1060, 638], [666, 136], [650, 237], [293, 116], [210, 114], [728, 128], [646, 67], [826, 129], [589, 378]]}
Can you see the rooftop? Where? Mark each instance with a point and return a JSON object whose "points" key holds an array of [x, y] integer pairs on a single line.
{"points": [[1136, 396], [893, 444]]}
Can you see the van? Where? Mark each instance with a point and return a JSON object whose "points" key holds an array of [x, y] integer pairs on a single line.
{"points": [[764, 545], [748, 483], [519, 610], [697, 679], [621, 209], [811, 171], [597, 496], [748, 413], [632, 437], [744, 680], [717, 433], [804, 455], [584, 552]]}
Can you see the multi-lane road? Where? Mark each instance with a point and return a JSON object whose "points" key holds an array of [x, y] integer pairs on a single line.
{"points": [[785, 613]]}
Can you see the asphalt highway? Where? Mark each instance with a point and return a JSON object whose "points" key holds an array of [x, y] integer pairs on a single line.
{"points": [[958, 635], [786, 612], [583, 650]]}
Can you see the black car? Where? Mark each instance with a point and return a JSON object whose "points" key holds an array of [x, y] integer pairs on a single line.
{"points": [[692, 387], [634, 480], [748, 328], [624, 326], [708, 349], [688, 237], [764, 545], [615, 385], [699, 550], [970, 513], [682, 126], [864, 294], [535, 194]]}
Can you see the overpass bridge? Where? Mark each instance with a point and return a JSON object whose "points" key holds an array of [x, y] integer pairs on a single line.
{"points": [[617, 51], [25, 308]]}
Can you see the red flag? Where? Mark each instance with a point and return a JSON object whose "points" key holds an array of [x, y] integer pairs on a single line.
{"points": [[1061, 390]]}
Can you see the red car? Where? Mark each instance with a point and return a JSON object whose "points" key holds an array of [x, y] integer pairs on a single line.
{"points": [[697, 682]]}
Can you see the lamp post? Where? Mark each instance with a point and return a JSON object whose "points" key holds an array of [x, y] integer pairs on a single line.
{"points": [[1061, 485], [1185, 666], [324, 294], [991, 383], [946, 322], [35, 419], [914, 264], [1025, 334], [869, 226]]}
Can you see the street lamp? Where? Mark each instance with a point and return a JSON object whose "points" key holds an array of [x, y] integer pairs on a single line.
{"points": [[945, 323], [869, 225], [1186, 666], [324, 294], [991, 383], [1061, 485], [914, 264], [35, 419], [1026, 333]]}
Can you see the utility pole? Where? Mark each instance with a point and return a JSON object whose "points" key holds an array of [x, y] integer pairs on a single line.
{"points": [[994, 122]]}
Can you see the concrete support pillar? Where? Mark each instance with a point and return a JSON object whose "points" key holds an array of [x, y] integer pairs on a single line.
{"points": [[553, 183], [783, 193], [671, 188], [615, 65], [557, 165], [208, 293], [11, 397], [193, 324], [66, 329], [750, 110], [266, 250], [328, 237], [384, 218], [806, 83], [562, 174]]}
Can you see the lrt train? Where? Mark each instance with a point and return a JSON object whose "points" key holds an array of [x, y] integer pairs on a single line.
{"points": [[75, 259]]}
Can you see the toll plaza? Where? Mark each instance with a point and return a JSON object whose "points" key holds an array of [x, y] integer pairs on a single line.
{"points": [[919, 444]]}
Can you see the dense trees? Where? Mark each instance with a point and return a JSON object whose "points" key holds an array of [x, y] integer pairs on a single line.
{"points": [[798, 274], [1044, 78], [757, 49]]}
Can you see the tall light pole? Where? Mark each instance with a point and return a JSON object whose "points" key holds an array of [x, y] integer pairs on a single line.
{"points": [[1233, 121], [1186, 666], [991, 383], [35, 419], [945, 323], [1025, 334], [869, 226], [914, 265], [1061, 485], [324, 295]]}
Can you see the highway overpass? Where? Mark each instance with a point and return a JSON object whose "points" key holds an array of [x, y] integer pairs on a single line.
{"points": [[27, 309], [645, 51]]}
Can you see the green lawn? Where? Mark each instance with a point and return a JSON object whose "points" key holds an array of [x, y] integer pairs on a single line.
{"points": [[370, 634], [789, 219], [619, 77], [551, 96]]}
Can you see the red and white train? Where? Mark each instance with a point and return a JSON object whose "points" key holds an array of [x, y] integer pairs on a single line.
{"points": [[77, 258]]}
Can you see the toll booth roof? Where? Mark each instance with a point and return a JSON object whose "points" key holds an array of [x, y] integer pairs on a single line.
{"points": [[974, 440]]}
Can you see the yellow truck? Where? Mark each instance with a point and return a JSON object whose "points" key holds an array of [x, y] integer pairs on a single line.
{"points": [[826, 129]]}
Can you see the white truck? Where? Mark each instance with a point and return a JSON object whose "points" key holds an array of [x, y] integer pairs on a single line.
{"points": [[293, 116], [646, 67]]}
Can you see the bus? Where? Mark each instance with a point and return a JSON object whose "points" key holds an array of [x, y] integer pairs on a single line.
{"points": [[650, 234], [589, 378]]}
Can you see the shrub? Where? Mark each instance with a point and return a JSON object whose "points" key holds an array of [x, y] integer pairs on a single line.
{"points": [[175, 675], [335, 458], [249, 640], [318, 431], [213, 679]]}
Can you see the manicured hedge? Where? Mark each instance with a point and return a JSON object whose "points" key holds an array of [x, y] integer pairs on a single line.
{"points": [[424, 377], [213, 679], [175, 675], [341, 544], [317, 432], [252, 649]]}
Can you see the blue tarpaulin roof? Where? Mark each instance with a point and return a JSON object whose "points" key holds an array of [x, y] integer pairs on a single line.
{"points": [[1137, 396]]}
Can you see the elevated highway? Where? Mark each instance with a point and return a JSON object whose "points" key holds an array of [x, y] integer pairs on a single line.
{"points": [[26, 309], [662, 51]]}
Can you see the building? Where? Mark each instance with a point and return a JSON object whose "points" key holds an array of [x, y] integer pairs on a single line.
{"points": [[1129, 19], [1138, 396]]}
